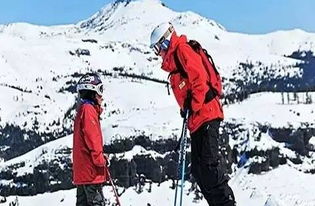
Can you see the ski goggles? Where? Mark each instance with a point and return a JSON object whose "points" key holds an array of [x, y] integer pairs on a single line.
{"points": [[99, 89], [163, 43]]}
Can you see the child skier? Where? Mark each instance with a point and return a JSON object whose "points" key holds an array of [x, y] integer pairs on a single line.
{"points": [[89, 162]]}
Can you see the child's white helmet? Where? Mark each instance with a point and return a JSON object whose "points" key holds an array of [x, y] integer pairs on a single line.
{"points": [[91, 82]]}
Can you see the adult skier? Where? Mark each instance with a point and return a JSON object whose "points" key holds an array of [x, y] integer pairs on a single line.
{"points": [[192, 88], [89, 162]]}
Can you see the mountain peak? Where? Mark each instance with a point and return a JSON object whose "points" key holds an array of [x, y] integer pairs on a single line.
{"points": [[126, 2], [121, 12], [122, 1], [129, 18]]}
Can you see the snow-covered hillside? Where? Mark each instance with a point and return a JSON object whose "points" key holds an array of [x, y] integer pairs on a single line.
{"points": [[273, 109], [266, 97], [36, 64], [249, 190]]}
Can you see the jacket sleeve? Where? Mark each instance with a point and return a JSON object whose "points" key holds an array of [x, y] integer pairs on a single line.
{"points": [[92, 135], [197, 75]]}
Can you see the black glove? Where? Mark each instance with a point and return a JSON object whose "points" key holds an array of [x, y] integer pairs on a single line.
{"points": [[182, 113], [187, 102]]}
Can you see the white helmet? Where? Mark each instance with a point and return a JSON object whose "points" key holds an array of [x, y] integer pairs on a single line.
{"points": [[160, 37], [91, 81]]}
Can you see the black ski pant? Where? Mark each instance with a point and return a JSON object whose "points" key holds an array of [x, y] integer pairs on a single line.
{"points": [[90, 195], [206, 167]]}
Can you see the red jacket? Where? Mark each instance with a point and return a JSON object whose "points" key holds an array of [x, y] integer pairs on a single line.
{"points": [[196, 82], [88, 160]]}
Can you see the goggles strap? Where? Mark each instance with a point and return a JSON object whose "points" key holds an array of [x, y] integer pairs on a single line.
{"points": [[157, 46], [167, 33]]}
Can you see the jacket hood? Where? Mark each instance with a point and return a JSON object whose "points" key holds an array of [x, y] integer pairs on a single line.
{"points": [[168, 63]]}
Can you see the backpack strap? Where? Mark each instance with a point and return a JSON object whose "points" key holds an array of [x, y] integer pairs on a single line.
{"points": [[211, 94], [195, 45], [211, 61], [179, 67]]}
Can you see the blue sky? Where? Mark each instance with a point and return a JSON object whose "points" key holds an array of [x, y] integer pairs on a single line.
{"points": [[247, 16]]}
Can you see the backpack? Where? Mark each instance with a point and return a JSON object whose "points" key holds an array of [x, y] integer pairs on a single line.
{"points": [[214, 83]]}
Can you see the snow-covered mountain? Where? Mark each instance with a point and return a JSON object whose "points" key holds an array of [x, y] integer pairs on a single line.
{"points": [[269, 105]]}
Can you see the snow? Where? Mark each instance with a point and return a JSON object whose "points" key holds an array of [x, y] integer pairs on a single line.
{"points": [[267, 108], [143, 113], [31, 48], [33, 158], [32, 56], [290, 188], [49, 151], [22, 108], [136, 150], [257, 190], [312, 141]]}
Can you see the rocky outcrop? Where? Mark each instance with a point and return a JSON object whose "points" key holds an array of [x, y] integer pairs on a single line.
{"points": [[46, 176], [296, 139], [263, 160]]}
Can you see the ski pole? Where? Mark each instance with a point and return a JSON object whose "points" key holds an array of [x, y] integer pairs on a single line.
{"points": [[114, 188], [182, 159]]}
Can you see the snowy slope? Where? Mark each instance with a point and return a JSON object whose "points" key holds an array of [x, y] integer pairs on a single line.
{"points": [[39, 67], [270, 110], [46, 152], [146, 116], [257, 190], [36, 58]]}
